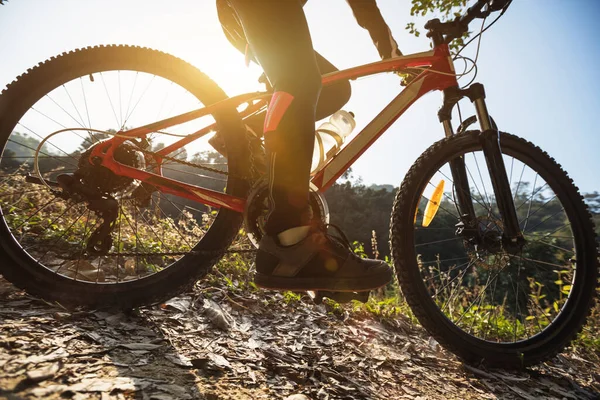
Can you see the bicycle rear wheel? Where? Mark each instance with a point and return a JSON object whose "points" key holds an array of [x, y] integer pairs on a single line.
{"points": [[160, 244], [484, 302]]}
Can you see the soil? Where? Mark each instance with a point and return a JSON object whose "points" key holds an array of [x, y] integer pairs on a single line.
{"points": [[220, 343]]}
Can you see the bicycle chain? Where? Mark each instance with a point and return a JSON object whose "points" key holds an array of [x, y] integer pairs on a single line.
{"points": [[184, 253], [253, 172], [253, 177]]}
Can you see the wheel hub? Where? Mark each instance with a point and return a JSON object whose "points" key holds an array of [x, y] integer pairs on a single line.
{"points": [[102, 179]]}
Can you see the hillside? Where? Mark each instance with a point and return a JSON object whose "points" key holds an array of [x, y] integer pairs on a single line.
{"points": [[224, 342]]}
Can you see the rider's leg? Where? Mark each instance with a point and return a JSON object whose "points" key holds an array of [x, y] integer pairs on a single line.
{"points": [[280, 41], [332, 98], [278, 34]]}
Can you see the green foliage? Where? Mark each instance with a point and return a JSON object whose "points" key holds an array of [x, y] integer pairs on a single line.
{"points": [[291, 297], [359, 210], [593, 202], [443, 9]]}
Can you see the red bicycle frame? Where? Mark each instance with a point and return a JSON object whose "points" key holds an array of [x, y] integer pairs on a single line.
{"points": [[439, 75]]}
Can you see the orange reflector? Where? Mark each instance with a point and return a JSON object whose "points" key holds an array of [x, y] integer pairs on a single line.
{"points": [[434, 204]]}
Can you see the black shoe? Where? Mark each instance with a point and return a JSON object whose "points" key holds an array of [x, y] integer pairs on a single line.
{"points": [[318, 262]]}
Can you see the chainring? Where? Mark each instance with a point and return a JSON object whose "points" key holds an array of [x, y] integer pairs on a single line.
{"points": [[257, 209]]}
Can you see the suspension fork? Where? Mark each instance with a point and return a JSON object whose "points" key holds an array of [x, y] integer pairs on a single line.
{"points": [[457, 166], [490, 141]]}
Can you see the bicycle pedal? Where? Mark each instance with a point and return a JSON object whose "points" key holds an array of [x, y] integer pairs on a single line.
{"points": [[339, 297]]}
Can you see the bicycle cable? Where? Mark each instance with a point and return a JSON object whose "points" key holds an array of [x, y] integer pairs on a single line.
{"points": [[486, 28], [474, 62], [227, 250]]}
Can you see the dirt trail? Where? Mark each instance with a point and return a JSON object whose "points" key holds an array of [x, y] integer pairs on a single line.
{"points": [[214, 344]]}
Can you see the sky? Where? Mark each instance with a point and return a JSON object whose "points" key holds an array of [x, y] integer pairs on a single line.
{"points": [[537, 64]]}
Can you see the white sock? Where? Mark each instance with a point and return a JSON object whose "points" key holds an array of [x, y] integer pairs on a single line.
{"points": [[293, 235]]}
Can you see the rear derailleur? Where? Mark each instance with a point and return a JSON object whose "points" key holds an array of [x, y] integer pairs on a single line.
{"points": [[103, 205]]}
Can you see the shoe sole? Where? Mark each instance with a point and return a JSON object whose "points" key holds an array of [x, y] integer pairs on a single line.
{"points": [[323, 284]]}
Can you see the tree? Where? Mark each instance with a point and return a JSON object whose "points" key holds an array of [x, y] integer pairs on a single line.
{"points": [[445, 10], [593, 201]]}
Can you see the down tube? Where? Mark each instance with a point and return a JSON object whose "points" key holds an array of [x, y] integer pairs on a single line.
{"points": [[365, 138]]}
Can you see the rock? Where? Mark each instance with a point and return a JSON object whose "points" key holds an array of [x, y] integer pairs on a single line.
{"points": [[297, 397]]}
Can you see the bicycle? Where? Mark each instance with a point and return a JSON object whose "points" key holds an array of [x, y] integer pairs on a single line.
{"points": [[506, 277]]}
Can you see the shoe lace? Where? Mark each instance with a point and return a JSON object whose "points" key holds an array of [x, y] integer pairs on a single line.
{"points": [[339, 240]]}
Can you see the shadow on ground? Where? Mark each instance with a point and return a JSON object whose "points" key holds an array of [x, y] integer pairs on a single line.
{"points": [[215, 344]]}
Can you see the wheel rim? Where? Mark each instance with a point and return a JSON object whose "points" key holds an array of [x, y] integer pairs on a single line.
{"points": [[147, 239], [486, 292]]}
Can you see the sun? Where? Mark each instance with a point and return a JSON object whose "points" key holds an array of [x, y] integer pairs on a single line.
{"points": [[224, 64]]}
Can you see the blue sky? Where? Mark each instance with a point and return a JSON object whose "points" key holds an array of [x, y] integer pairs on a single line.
{"points": [[537, 63]]}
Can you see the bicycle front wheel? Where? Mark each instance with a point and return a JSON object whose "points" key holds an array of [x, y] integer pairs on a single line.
{"points": [[483, 301], [51, 117]]}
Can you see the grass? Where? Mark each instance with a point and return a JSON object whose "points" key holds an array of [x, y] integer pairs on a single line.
{"points": [[235, 270]]}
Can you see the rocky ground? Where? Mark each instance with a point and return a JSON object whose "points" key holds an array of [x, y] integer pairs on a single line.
{"points": [[217, 343]]}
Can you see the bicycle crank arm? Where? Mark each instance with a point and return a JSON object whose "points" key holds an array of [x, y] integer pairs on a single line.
{"points": [[490, 141]]}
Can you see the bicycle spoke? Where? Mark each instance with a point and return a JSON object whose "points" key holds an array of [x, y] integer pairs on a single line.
{"points": [[130, 97], [478, 306], [140, 98], [468, 264], [538, 209], [532, 196], [452, 183], [547, 219], [517, 306], [122, 125], [446, 272], [473, 281], [87, 111], [39, 260], [519, 184], [482, 183], [81, 120], [455, 292], [54, 226], [80, 124], [41, 152], [438, 241], [35, 213], [530, 202], [482, 291], [81, 244], [109, 99], [175, 227]]}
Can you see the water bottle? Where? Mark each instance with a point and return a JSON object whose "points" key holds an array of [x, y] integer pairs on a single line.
{"points": [[330, 136]]}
